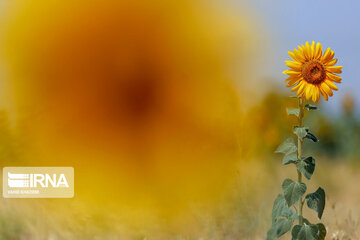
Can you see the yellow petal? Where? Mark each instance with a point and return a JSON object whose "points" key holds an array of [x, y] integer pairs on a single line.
{"points": [[334, 69], [292, 82], [323, 93], [332, 62], [331, 84], [300, 52], [318, 51], [334, 77], [289, 78], [291, 73], [326, 89], [326, 54], [329, 57], [317, 94], [313, 95], [312, 50], [294, 56], [296, 87], [295, 65], [301, 88], [307, 51], [308, 91], [299, 55], [312, 91]]}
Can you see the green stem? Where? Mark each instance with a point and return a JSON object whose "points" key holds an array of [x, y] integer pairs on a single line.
{"points": [[299, 153]]}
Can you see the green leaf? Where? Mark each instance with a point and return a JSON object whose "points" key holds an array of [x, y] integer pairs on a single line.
{"points": [[293, 111], [282, 217], [280, 209], [306, 166], [294, 216], [310, 107], [304, 232], [316, 201], [301, 131], [290, 158], [279, 228], [306, 221], [292, 191], [311, 137], [287, 147], [322, 231]]}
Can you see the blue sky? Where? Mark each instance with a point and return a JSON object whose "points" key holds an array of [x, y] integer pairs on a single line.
{"points": [[333, 23]]}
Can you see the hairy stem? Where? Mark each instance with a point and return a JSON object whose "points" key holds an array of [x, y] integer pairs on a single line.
{"points": [[300, 141]]}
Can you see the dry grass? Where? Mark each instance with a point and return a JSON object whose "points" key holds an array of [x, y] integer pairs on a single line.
{"points": [[242, 214]]}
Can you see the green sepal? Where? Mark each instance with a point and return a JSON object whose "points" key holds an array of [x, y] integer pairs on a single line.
{"points": [[293, 111], [316, 201], [292, 191], [306, 166]]}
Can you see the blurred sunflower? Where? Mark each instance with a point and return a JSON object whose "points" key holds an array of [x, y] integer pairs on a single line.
{"points": [[312, 72]]}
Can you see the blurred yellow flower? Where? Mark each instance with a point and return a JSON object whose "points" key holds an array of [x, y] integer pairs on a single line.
{"points": [[312, 72]]}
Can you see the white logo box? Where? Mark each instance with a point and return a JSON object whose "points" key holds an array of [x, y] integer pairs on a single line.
{"points": [[38, 182]]}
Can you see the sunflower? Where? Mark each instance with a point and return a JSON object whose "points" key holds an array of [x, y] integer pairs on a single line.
{"points": [[312, 73]]}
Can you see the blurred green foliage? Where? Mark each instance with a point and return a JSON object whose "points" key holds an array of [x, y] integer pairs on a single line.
{"points": [[339, 135]]}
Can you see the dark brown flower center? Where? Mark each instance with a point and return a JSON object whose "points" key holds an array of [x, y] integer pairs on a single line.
{"points": [[314, 72]]}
